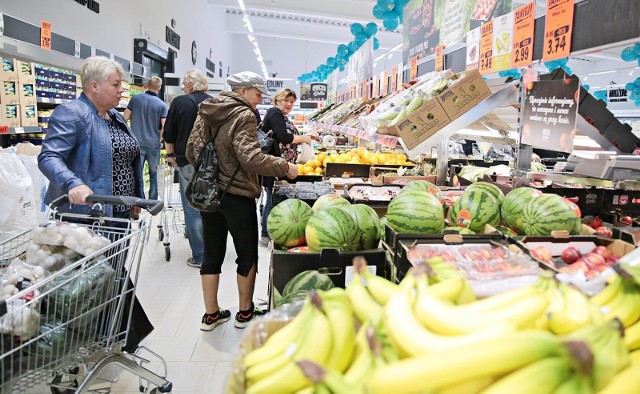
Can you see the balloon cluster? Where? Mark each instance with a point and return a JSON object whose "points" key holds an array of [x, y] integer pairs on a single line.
{"points": [[339, 61], [559, 63], [600, 95], [631, 54], [634, 91], [514, 73], [390, 12], [586, 87]]}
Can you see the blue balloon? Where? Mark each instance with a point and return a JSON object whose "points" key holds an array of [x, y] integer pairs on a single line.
{"points": [[399, 13], [562, 61], [637, 81], [371, 29], [633, 96], [636, 49], [361, 39], [343, 50], [567, 70], [637, 102], [386, 5], [376, 43], [503, 74], [586, 87], [331, 61], [357, 28], [342, 68], [551, 65], [352, 47], [630, 86], [628, 54], [378, 12], [636, 90], [390, 24]]}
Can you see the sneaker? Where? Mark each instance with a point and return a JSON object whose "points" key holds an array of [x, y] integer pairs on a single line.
{"points": [[264, 241], [211, 321], [192, 263], [243, 318]]}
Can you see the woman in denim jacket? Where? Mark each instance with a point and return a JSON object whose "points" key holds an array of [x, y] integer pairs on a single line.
{"points": [[89, 149]]}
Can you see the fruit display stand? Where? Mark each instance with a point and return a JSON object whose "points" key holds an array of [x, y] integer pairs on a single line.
{"points": [[376, 196]]}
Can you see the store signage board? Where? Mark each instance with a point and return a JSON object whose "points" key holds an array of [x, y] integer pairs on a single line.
{"points": [[502, 42], [473, 48], [486, 48], [394, 78], [45, 35], [76, 51], [413, 72], [549, 114], [312, 91], [453, 26], [557, 29], [385, 83], [376, 86], [400, 77], [440, 58], [523, 31], [1, 25], [420, 35], [617, 95]]}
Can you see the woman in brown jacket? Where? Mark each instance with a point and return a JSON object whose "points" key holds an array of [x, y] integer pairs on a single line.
{"points": [[231, 119]]}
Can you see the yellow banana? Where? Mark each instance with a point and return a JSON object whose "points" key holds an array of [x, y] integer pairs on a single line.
{"points": [[626, 381], [470, 386], [333, 380], [364, 305], [634, 357], [611, 291], [499, 301], [540, 377], [632, 336], [340, 316], [380, 288], [279, 341], [335, 294], [455, 320], [315, 346], [626, 306], [413, 339], [575, 384], [576, 311], [483, 359]]}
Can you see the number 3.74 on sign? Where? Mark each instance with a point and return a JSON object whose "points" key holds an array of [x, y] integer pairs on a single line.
{"points": [[558, 40]]}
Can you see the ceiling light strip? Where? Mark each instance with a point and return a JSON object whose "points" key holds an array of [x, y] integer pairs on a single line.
{"points": [[252, 38]]}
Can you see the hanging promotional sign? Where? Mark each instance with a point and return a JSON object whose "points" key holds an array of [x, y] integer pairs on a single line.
{"points": [[439, 58], [502, 42], [376, 86], [420, 35], [413, 71], [394, 78], [549, 120], [523, 31], [486, 48], [400, 77], [557, 29], [360, 66], [455, 22], [473, 48], [313, 91], [45, 35], [385, 83]]}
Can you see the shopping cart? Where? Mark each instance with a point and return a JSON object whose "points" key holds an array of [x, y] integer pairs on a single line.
{"points": [[172, 217], [65, 328]]}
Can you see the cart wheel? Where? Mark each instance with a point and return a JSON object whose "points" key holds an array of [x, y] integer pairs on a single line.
{"points": [[58, 379], [167, 253], [185, 233], [165, 388], [160, 234]]}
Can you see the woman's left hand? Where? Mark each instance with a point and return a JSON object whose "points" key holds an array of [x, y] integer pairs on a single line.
{"points": [[136, 210]]}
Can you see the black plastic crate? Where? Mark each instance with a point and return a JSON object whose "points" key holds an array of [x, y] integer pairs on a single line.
{"points": [[590, 201]]}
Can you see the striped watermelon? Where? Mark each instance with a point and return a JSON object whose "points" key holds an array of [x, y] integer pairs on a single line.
{"points": [[368, 222], [513, 205], [287, 222], [424, 186], [489, 187], [332, 228], [307, 281], [415, 212], [459, 230], [329, 200], [474, 209], [548, 213]]}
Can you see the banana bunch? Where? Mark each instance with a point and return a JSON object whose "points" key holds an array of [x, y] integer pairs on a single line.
{"points": [[323, 332], [620, 298], [326, 381], [626, 381], [416, 102]]}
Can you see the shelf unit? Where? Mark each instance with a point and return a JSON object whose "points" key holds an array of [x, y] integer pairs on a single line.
{"points": [[385, 140]]}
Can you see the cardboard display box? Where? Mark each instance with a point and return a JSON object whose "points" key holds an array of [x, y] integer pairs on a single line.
{"points": [[10, 115], [468, 92], [7, 69], [28, 115], [27, 93], [25, 71], [421, 124], [9, 92]]}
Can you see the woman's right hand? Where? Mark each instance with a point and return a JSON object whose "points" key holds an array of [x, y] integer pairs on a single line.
{"points": [[293, 171], [78, 195]]}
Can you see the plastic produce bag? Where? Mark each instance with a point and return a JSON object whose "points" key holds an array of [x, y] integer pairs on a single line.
{"points": [[75, 237], [28, 153], [17, 200], [51, 258], [306, 154]]}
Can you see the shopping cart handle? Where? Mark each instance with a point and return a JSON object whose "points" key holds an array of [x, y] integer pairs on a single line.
{"points": [[153, 206]]}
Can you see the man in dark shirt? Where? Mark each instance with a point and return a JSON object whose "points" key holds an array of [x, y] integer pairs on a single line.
{"points": [[182, 115]]}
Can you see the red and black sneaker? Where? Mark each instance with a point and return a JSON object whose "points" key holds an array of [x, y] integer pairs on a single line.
{"points": [[211, 321], [243, 318]]}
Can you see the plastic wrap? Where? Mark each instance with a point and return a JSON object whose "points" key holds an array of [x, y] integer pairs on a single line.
{"points": [[75, 237], [51, 258]]}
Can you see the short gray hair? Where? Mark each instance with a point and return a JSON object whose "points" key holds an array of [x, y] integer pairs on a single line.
{"points": [[98, 68], [196, 78], [155, 83]]}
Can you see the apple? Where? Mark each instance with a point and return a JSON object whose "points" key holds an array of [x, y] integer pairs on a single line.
{"points": [[602, 251], [593, 260], [596, 222], [612, 260], [628, 220], [604, 231], [571, 255], [541, 253]]}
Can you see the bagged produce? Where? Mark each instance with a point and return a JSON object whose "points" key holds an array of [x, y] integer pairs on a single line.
{"points": [[17, 200]]}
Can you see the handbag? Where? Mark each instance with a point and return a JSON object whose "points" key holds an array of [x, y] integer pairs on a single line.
{"points": [[265, 138], [203, 191]]}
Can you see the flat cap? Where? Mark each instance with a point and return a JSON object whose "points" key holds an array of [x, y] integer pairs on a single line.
{"points": [[247, 79]]}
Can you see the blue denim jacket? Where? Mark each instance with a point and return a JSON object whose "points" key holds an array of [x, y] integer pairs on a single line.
{"points": [[77, 151]]}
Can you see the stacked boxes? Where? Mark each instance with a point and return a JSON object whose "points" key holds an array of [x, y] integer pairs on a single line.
{"points": [[10, 115], [55, 83]]}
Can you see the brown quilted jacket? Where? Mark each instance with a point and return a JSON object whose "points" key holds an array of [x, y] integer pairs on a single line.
{"points": [[231, 118]]}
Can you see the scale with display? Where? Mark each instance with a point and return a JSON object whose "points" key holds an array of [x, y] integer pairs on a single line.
{"points": [[607, 166]]}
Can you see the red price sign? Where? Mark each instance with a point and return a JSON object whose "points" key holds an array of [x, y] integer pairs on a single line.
{"points": [[413, 73], [440, 58], [45, 35], [557, 30], [394, 78], [524, 20], [486, 48], [376, 86], [385, 83]]}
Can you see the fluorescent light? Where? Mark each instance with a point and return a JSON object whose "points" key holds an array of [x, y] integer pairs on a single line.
{"points": [[252, 39], [379, 58], [604, 72], [241, 4], [395, 48]]}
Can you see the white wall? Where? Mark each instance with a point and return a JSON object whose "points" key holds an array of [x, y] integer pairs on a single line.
{"points": [[120, 21]]}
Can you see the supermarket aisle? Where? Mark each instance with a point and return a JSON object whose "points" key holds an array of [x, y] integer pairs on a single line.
{"points": [[197, 361]]}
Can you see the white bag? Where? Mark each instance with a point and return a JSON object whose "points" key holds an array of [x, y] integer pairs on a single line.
{"points": [[306, 154], [40, 182], [17, 199]]}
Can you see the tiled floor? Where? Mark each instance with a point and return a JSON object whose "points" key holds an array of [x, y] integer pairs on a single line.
{"points": [[170, 292]]}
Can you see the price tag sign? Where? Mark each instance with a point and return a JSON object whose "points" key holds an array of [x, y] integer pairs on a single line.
{"points": [[76, 51], [400, 77], [413, 73], [486, 48], [502, 42], [1, 25], [18, 130], [376, 86], [523, 30], [557, 29], [440, 58], [473, 48], [385, 83], [45, 35], [394, 78]]}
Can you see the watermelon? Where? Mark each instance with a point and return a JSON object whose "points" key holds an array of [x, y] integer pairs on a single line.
{"points": [[328, 201], [489, 187], [574, 207], [332, 228], [424, 186], [287, 222], [548, 213], [299, 295], [513, 205], [415, 212], [507, 231], [459, 230], [475, 209], [277, 297], [368, 223], [307, 281]]}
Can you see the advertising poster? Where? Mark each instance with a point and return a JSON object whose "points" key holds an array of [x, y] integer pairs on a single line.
{"points": [[420, 34], [550, 110], [361, 63], [473, 48], [313, 91], [502, 42]]}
